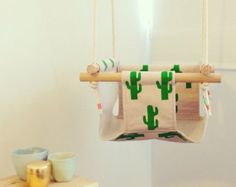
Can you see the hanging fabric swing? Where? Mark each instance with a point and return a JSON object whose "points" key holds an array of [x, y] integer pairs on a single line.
{"points": [[143, 102]]}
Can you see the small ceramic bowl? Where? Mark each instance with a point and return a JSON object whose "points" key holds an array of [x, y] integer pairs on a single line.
{"points": [[64, 165], [22, 157]]}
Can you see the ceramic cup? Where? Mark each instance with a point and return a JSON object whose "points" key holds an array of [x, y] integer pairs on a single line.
{"points": [[22, 157], [64, 165]]}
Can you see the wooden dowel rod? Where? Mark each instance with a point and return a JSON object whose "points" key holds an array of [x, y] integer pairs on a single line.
{"points": [[197, 77], [179, 77], [100, 77]]}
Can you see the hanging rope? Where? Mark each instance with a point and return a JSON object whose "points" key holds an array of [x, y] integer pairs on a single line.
{"points": [[94, 29], [113, 29], [94, 85], [205, 67], [205, 33]]}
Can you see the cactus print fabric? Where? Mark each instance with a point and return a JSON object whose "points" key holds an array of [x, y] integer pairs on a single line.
{"points": [[148, 104], [154, 109]]}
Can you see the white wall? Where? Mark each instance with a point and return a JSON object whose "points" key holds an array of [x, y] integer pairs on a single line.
{"points": [[177, 34], [177, 31], [45, 44], [43, 47], [210, 163]]}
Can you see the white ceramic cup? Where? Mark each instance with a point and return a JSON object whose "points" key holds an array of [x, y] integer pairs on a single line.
{"points": [[22, 157], [64, 165]]}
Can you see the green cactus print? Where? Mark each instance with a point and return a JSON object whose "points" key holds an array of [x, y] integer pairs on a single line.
{"points": [[188, 85], [177, 99], [169, 135], [145, 68], [166, 77], [150, 119], [176, 69], [130, 136], [133, 86]]}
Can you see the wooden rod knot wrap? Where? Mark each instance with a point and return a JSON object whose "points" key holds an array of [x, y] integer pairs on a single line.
{"points": [[179, 77]]}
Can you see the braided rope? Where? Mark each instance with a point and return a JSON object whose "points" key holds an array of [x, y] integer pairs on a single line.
{"points": [[94, 85], [205, 67]]}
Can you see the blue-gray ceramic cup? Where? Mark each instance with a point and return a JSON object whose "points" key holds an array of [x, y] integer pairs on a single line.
{"points": [[64, 165], [22, 157]]}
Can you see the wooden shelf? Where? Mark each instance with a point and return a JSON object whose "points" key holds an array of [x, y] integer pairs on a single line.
{"points": [[77, 182]]}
